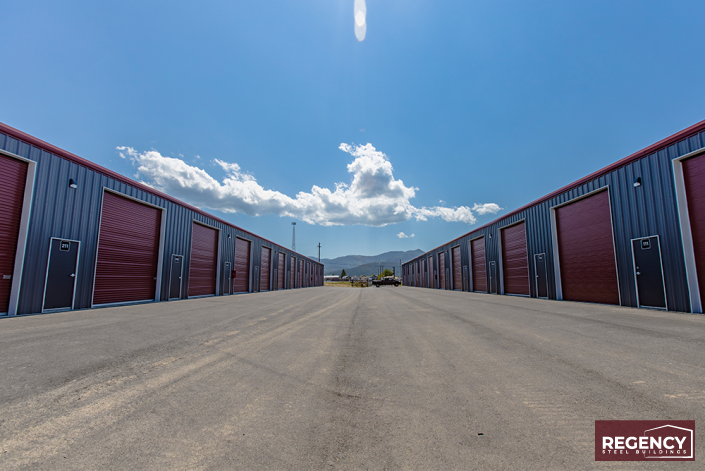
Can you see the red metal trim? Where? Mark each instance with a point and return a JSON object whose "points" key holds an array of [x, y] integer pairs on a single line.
{"points": [[33, 141], [663, 143]]}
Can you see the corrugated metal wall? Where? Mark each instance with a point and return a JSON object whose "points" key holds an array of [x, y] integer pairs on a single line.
{"points": [[636, 212], [62, 212]]}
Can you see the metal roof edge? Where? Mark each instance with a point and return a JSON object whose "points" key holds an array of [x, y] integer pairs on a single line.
{"points": [[668, 141], [36, 142]]}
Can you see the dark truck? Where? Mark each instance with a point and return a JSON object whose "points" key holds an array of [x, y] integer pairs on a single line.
{"points": [[387, 280]]}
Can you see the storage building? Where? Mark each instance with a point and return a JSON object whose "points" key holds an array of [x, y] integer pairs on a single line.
{"points": [[75, 235], [631, 234]]}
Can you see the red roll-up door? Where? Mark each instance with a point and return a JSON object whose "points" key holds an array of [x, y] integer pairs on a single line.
{"points": [[281, 267], [292, 276], [457, 270], [128, 251], [308, 274], [241, 283], [694, 176], [479, 266], [515, 260], [12, 184], [429, 268], [422, 274], [264, 269], [301, 274], [586, 250], [442, 270], [204, 261]]}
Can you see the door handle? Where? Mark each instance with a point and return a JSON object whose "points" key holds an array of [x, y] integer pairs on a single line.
{"points": [[72, 275], [638, 273]]}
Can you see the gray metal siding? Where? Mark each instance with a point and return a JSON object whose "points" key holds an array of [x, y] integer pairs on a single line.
{"points": [[636, 212], [62, 212]]}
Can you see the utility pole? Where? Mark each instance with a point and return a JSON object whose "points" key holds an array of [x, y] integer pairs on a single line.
{"points": [[293, 237], [319, 252]]}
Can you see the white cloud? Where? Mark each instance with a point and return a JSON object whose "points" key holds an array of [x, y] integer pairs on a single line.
{"points": [[487, 208], [401, 235], [372, 198]]}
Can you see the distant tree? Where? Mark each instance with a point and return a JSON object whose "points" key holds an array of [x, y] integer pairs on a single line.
{"points": [[342, 273], [386, 272]]}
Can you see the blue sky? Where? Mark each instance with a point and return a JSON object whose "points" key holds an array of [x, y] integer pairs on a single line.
{"points": [[464, 103]]}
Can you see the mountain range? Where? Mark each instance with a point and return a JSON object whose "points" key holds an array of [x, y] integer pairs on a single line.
{"points": [[356, 265]]}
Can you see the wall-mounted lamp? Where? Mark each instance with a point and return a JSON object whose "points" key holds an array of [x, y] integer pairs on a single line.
{"points": [[490, 236], [637, 182], [228, 236], [73, 184]]}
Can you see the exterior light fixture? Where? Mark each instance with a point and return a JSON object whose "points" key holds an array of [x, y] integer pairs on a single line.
{"points": [[637, 182], [73, 184]]}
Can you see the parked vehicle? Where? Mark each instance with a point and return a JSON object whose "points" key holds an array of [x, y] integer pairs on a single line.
{"points": [[387, 280]]}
